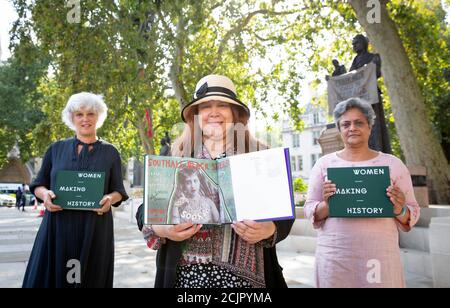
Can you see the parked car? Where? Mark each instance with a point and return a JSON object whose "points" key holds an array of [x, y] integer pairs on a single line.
{"points": [[10, 189], [7, 200]]}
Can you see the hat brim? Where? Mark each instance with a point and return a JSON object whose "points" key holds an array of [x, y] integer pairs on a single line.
{"points": [[214, 97]]}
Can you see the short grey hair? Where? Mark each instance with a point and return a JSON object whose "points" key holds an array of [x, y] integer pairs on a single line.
{"points": [[355, 102], [86, 100]]}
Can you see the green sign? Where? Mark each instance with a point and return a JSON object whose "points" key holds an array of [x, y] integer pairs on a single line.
{"points": [[360, 192], [79, 190]]}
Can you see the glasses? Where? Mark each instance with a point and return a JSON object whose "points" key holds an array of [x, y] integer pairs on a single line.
{"points": [[357, 123]]}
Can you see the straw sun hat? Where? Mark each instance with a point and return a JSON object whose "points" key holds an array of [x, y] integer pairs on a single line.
{"points": [[214, 88]]}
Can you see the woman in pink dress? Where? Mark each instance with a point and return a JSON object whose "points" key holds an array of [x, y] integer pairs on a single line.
{"points": [[359, 252]]}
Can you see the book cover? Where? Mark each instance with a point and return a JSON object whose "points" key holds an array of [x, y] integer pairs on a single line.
{"points": [[360, 192], [256, 186], [79, 190]]}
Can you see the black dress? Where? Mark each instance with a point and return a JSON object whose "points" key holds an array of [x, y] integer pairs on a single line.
{"points": [[68, 235]]}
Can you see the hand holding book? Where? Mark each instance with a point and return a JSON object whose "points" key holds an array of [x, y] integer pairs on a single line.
{"points": [[47, 196], [105, 204], [329, 188], [254, 232], [178, 232], [398, 200], [396, 197], [107, 201]]}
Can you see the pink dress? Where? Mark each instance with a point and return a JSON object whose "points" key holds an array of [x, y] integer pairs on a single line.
{"points": [[359, 252]]}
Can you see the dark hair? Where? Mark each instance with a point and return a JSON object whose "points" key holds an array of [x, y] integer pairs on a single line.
{"points": [[184, 173], [180, 145]]}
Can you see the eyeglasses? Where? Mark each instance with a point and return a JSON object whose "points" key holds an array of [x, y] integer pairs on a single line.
{"points": [[357, 123]]}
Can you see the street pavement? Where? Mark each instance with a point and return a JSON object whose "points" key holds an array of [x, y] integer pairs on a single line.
{"points": [[134, 262]]}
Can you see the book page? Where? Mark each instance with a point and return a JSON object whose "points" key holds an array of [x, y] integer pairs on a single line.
{"points": [[228, 211], [261, 185]]}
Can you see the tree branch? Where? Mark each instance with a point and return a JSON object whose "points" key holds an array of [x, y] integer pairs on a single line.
{"points": [[218, 5], [176, 68], [239, 28], [164, 24]]}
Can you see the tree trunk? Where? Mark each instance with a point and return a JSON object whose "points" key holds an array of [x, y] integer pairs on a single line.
{"points": [[147, 142], [419, 143], [176, 69]]}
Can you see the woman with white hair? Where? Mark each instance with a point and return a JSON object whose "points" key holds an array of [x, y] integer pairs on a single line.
{"points": [[73, 240], [359, 252]]}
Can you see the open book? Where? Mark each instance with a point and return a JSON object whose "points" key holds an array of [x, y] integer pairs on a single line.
{"points": [[254, 186]]}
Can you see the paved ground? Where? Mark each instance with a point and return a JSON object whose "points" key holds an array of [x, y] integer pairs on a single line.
{"points": [[134, 262]]}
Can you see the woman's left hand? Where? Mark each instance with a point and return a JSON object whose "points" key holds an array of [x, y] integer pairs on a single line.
{"points": [[106, 203], [252, 231], [397, 198]]}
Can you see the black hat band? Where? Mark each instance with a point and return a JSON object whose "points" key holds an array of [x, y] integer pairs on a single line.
{"points": [[204, 89]]}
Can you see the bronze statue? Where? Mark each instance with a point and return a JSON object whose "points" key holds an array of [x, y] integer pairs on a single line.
{"points": [[360, 45], [379, 137], [165, 145], [338, 70]]}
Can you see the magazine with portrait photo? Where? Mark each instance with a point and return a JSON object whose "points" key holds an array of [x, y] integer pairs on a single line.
{"points": [[255, 186]]}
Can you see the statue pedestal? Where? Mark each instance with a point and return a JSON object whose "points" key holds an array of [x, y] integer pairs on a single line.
{"points": [[419, 180], [440, 251], [330, 140]]}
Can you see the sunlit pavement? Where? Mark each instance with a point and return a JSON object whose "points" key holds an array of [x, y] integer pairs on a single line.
{"points": [[134, 262]]}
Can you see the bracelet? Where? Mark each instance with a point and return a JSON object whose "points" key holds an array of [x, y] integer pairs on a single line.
{"points": [[403, 212], [153, 241]]}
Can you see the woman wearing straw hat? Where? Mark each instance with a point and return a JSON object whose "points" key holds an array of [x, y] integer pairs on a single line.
{"points": [[239, 255]]}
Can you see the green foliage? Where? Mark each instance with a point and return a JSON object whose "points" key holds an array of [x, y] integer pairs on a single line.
{"points": [[148, 55], [20, 112], [300, 185], [426, 38]]}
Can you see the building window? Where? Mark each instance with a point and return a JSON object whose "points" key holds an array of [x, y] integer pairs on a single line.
{"points": [[293, 163], [300, 163], [314, 158], [296, 140], [316, 118], [316, 136]]}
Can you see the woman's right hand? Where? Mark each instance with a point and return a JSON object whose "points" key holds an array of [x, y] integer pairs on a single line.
{"points": [[178, 232], [323, 210], [48, 196], [328, 189]]}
